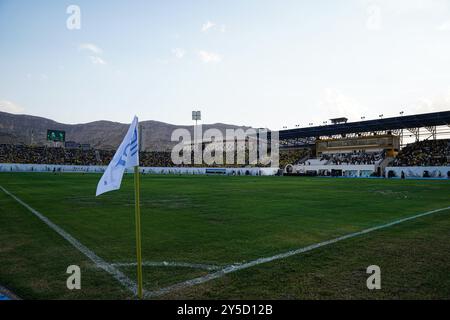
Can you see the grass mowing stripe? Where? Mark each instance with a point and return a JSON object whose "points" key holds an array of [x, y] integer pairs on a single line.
{"points": [[234, 268], [99, 262]]}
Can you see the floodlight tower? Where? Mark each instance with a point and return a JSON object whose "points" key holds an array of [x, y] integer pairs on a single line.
{"points": [[196, 115]]}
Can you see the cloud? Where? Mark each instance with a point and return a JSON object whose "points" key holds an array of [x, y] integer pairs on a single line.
{"points": [[94, 53], [97, 60], [178, 53], [336, 104], [208, 25], [8, 106], [208, 57], [90, 47], [445, 26], [439, 102]]}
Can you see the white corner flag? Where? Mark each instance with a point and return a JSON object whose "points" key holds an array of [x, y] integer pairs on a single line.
{"points": [[127, 155]]}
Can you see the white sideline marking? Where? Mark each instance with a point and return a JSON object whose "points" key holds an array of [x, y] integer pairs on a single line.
{"points": [[99, 262], [237, 267], [168, 264]]}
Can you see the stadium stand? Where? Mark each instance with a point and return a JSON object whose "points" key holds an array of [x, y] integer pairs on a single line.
{"points": [[353, 158], [293, 156], [424, 153], [48, 155], [370, 150], [22, 154]]}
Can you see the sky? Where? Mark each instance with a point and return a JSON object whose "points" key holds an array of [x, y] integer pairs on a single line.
{"points": [[260, 63]]}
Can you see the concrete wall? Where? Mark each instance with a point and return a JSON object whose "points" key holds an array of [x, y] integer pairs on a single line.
{"points": [[417, 172]]}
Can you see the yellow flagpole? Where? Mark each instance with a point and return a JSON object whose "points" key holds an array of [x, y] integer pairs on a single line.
{"points": [[138, 231]]}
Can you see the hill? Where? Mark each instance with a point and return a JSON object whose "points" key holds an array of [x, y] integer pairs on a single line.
{"points": [[155, 135]]}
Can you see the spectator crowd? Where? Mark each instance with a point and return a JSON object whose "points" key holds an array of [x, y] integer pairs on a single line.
{"points": [[353, 158], [68, 156], [292, 156], [424, 153], [45, 155]]}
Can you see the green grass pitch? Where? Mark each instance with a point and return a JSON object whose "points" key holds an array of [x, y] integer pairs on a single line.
{"points": [[219, 221]]}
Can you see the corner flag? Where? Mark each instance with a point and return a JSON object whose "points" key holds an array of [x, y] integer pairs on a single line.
{"points": [[127, 155]]}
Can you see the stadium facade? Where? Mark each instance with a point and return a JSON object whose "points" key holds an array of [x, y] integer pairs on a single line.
{"points": [[371, 148]]}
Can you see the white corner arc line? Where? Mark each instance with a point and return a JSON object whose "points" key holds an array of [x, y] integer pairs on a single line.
{"points": [[99, 262], [208, 267], [237, 267]]}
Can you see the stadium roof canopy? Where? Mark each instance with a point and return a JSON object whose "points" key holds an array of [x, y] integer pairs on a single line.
{"points": [[396, 123]]}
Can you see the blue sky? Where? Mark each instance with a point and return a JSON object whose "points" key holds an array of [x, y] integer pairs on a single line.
{"points": [[250, 62]]}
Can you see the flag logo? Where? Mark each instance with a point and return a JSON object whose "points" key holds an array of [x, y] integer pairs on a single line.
{"points": [[127, 156]]}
